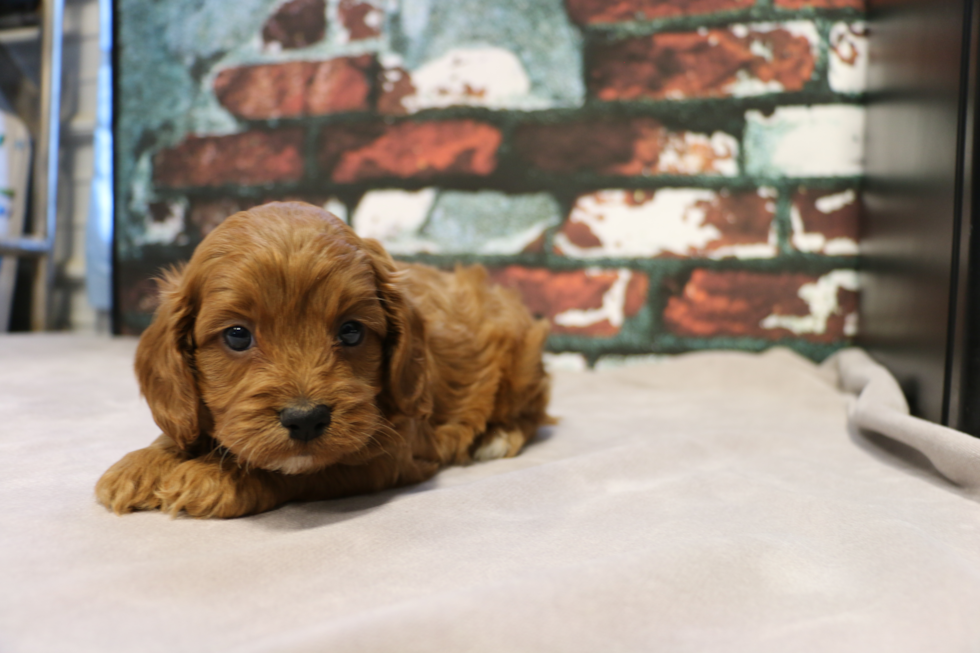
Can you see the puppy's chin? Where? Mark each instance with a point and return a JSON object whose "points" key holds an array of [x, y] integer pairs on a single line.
{"points": [[289, 459], [273, 451], [300, 464]]}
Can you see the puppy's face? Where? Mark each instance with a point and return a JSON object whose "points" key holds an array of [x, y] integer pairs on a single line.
{"points": [[290, 344], [289, 349]]}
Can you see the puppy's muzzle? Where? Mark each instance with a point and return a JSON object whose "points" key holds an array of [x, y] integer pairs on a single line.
{"points": [[305, 423]]}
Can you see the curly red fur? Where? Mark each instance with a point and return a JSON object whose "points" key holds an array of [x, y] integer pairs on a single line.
{"points": [[449, 370]]}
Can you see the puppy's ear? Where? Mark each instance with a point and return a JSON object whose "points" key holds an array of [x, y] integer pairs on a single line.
{"points": [[406, 382], [164, 363]]}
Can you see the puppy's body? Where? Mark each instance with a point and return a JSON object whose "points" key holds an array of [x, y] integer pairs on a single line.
{"points": [[445, 369]]}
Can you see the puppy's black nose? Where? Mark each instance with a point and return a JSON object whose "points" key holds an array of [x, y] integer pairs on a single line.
{"points": [[305, 424]]}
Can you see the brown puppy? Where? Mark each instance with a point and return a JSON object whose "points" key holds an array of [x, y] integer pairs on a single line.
{"points": [[292, 360]]}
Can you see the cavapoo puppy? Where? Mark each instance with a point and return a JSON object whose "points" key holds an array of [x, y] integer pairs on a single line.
{"points": [[292, 360]]}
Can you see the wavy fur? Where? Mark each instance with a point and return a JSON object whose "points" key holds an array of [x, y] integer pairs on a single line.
{"points": [[449, 370]]}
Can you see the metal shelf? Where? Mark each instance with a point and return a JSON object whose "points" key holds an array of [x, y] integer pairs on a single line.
{"points": [[20, 34], [43, 107]]}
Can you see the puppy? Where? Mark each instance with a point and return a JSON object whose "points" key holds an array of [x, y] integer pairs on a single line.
{"points": [[292, 360]]}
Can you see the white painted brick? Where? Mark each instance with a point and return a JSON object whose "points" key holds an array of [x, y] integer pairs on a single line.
{"points": [[821, 298], [455, 222], [393, 216], [335, 206], [169, 229], [818, 141], [816, 242], [485, 76], [490, 222], [691, 153], [670, 222], [848, 57]]}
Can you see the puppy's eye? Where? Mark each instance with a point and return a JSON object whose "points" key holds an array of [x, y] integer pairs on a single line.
{"points": [[351, 333], [238, 338]]}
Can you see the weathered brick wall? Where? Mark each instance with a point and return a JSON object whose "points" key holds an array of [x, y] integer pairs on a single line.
{"points": [[654, 176]]}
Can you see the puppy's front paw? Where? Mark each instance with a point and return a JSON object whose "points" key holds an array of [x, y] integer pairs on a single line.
{"points": [[131, 483], [203, 487]]}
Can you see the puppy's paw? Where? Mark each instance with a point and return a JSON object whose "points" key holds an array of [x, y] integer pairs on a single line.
{"points": [[498, 443], [203, 487], [131, 483]]}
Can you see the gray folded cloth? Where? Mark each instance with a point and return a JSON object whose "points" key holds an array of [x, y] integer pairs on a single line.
{"points": [[880, 407]]}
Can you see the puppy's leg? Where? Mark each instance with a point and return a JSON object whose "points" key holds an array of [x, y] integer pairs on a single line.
{"points": [[211, 487], [206, 487], [131, 483], [460, 443], [453, 442], [506, 439]]}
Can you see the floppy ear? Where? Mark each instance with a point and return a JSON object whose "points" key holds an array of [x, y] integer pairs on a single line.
{"points": [[164, 363], [406, 373]]}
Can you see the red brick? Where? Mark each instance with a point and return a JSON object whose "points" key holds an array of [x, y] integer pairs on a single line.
{"points": [[536, 246], [742, 218], [255, 157], [579, 234], [396, 85], [820, 4], [614, 11], [555, 294], [296, 88], [605, 147], [636, 294], [355, 17], [691, 65], [296, 24], [735, 303], [831, 216], [618, 147], [409, 150]]}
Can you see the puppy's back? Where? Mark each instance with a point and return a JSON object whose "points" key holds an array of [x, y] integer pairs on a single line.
{"points": [[488, 375]]}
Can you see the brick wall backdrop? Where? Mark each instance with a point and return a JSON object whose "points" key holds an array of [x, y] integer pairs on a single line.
{"points": [[653, 176]]}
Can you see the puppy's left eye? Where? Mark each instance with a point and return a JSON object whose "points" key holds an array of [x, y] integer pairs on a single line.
{"points": [[351, 333]]}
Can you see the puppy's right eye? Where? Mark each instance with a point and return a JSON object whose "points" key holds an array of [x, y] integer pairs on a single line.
{"points": [[238, 338], [351, 333]]}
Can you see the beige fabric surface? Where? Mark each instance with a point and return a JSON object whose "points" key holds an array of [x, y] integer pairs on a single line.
{"points": [[715, 502]]}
